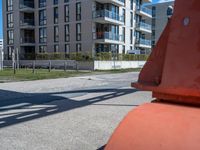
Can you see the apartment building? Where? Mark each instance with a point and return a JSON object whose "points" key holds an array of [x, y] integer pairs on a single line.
{"points": [[160, 16], [75, 26]]}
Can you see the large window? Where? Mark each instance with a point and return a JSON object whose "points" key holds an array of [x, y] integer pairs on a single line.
{"points": [[131, 19], [56, 48], [10, 36], [55, 15], [42, 17], [78, 32], [56, 34], [66, 13], [42, 3], [131, 36], [42, 49], [67, 48], [10, 21], [78, 48], [55, 2], [67, 33], [9, 5], [78, 11], [43, 35]]}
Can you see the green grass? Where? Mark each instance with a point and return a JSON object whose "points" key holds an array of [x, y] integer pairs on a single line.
{"points": [[7, 75]]}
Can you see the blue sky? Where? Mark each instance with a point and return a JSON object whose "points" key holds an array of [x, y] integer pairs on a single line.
{"points": [[1, 30]]}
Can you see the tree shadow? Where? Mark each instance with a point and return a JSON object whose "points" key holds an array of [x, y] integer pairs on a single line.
{"points": [[21, 107]]}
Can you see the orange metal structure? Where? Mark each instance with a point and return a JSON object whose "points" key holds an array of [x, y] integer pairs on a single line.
{"points": [[172, 73]]}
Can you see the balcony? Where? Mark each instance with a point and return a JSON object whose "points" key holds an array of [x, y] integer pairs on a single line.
{"points": [[144, 27], [27, 41], [145, 12], [106, 16], [27, 23], [115, 2], [108, 37], [143, 43], [27, 6]]}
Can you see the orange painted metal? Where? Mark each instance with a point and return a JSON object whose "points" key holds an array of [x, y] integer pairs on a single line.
{"points": [[158, 127], [173, 69], [172, 73]]}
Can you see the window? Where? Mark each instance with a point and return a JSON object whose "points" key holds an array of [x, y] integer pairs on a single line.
{"points": [[131, 36], [42, 3], [123, 33], [56, 48], [153, 11], [67, 48], [66, 13], [10, 23], [55, 15], [10, 36], [10, 50], [131, 19], [78, 48], [78, 11], [78, 32], [131, 6], [66, 1], [67, 33], [42, 17], [42, 49], [56, 34], [55, 2], [124, 15], [43, 35], [9, 5]]}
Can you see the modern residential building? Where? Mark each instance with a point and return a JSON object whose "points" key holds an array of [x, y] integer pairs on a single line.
{"points": [[160, 17], [76, 26]]}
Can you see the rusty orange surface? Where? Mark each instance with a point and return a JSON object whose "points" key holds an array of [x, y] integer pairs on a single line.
{"points": [[174, 65], [157, 126]]}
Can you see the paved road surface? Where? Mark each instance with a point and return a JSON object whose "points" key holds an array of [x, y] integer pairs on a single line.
{"points": [[77, 113]]}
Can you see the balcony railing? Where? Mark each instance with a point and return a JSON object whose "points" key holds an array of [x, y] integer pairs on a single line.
{"points": [[144, 42], [27, 40], [108, 36], [26, 4], [122, 1], [145, 10], [108, 14], [144, 26], [27, 22]]}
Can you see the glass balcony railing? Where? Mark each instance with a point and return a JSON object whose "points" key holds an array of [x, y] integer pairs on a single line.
{"points": [[27, 22], [108, 36], [145, 10], [108, 14], [144, 42], [26, 4], [144, 26], [122, 1]]}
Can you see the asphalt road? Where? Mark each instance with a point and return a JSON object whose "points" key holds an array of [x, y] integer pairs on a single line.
{"points": [[77, 113]]}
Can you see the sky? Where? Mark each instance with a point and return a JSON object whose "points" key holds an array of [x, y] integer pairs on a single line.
{"points": [[1, 29]]}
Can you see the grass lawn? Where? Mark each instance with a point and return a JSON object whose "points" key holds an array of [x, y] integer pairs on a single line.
{"points": [[7, 75]]}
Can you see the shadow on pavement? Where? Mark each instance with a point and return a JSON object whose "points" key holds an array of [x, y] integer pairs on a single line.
{"points": [[21, 107]]}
